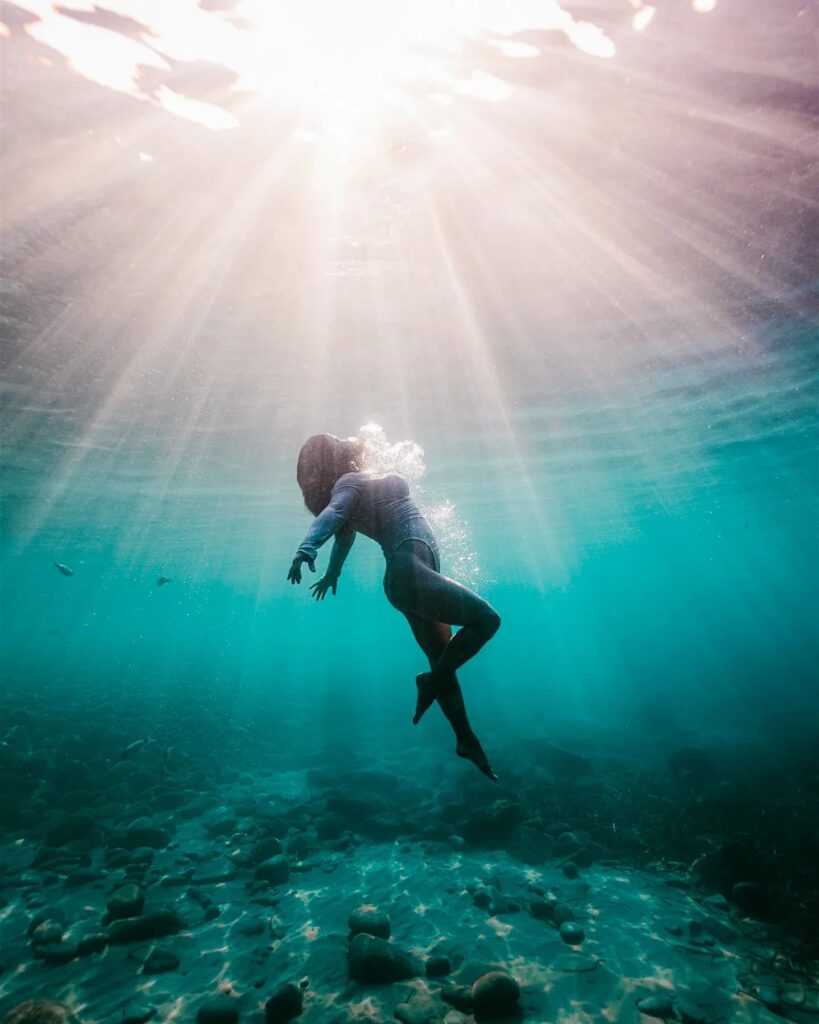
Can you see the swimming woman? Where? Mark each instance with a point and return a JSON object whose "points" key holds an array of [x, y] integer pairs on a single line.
{"points": [[346, 501]]}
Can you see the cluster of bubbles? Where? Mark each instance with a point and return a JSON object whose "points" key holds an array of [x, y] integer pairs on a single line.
{"points": [[407, 458]]}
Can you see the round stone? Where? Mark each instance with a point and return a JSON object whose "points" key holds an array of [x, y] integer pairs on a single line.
{"points": [[285, 1004], [571, 933], [369, 920], [660, 1006], [495, 994]]}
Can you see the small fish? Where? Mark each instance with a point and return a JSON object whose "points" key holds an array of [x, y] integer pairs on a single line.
{"points": [[63, 569], [162, 580], [133, 749]]}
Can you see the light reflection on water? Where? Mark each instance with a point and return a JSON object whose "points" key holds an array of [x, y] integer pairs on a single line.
{"points": [[327, 59]]}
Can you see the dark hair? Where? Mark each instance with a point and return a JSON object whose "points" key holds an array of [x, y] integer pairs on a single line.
{"points": [[322, 460]]}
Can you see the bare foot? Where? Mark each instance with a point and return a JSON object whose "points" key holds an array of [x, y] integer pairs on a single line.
{"points": [[471, 749], [427, 692]]}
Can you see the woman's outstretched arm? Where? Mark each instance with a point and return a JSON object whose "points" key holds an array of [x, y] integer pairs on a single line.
{"points": [[341, 548], [326, 525]]}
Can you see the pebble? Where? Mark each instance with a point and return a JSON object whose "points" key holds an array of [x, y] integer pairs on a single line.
{"points": [[137, 1013], [151, 926], [38, 1011], [495, 994], [660, 1005], [562, 912], [285, 1004], [274, 871], [369, 920], [438, 967], [750, 897], [542, 909], [420, 1008], [126, 901], [375, 960], [159, 961], [215, 871], [571, 933]]}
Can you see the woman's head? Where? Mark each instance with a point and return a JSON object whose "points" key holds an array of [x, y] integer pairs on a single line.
{"points": [[322, 460]]}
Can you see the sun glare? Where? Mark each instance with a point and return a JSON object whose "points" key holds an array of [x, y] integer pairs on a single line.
{"points": [[338, 67]]}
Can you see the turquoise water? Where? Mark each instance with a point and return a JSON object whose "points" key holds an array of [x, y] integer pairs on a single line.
{"points": [[650, 544]]}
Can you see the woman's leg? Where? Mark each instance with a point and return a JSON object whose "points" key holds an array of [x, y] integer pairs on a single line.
{"points": [[432, 638], [416, 588]]}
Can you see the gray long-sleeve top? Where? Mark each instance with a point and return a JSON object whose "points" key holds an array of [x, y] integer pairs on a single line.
{"points": [[380, 507]]}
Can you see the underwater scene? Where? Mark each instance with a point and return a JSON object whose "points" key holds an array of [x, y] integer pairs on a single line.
{"points": [[408, 510]]}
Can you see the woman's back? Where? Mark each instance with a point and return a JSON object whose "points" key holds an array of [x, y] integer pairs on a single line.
{"points": [[381, 508]]}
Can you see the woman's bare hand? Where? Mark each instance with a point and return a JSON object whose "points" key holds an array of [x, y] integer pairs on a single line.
{"points": [[324, 584], [294, 574]]}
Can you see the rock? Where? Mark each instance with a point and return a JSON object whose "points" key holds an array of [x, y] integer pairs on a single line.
{"points": [[494, 823], [330, 825], [768, 995], [70, 828], [570, 869], [84, 876], [126, 901], [421, 1008], [717, 902], [143, 832], [453, 1017], [58, 952], [571, 933], [438, 967], [150, 926], [272, 847], [215, 871], [91, 942], [285, 1004], [542, 909], [274, 871], [482, 898], [562, 912], [39, 1011], [566, 845], [375, 960], [368, 920], [137, 1012], [659, 1005], [459, 996], [44, 930], [159, 961], [722, 868], [496, 994], [220, 822], [750, 897], [221, 1010]]}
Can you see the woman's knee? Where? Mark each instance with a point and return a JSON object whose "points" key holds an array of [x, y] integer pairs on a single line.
{"points": [[490, 620]]}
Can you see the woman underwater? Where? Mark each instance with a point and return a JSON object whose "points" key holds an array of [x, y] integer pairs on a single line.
{"points": [[346, 501]]}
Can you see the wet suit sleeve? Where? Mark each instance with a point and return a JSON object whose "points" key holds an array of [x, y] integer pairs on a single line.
{"points": [[332, 519], [341, 548]]}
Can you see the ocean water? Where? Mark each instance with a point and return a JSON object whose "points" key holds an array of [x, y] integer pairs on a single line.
{"points": [[558, 261]]}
